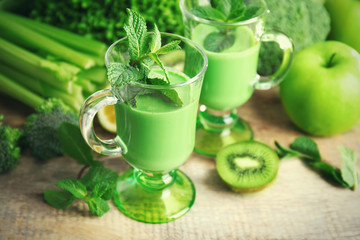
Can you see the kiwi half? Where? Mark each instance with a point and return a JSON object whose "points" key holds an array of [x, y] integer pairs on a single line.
{"points": [[247, 166]]}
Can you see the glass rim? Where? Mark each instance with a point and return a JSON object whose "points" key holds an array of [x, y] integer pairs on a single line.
{"points": [[150, 86], [239, 23]]}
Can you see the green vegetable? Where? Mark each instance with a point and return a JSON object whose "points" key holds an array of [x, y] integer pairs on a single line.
{"points": [[305, 22], [41, 128], [306, 149], [38, 61], [104, 20], [9, 146], [143, 51]]}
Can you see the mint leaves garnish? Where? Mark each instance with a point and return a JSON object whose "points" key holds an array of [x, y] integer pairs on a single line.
{"points": [[144, 51], [306, 149], [94, 188], [226, 11]]}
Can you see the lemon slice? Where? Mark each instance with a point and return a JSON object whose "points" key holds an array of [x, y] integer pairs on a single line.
{"points": [[107, 118]]}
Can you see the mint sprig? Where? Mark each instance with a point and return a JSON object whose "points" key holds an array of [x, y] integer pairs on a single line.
{"points": [[226, 11], [306, 149], [144, 52], [94, 188]]}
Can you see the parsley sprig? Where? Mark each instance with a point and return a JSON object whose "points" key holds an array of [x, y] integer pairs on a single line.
{"points": [[306, 149], [144, 50]]}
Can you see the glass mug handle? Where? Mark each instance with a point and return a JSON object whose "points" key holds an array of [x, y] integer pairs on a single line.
{"points": [[88, 111], [288, 49]]}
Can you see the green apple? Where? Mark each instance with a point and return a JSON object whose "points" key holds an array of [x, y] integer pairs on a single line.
{"points": [[345, 21], [321, 92]]}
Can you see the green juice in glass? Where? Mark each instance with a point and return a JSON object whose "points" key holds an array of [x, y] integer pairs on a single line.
{"points": [[231, 73], [159, 135]]}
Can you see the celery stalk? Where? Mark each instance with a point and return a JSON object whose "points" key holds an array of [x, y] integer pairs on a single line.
{"points": [[18, 92], [70, 39], [43, 89], [33, 66], [24, 36]]}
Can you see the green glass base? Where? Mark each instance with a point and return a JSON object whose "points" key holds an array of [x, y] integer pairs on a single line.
{"points": [[154, 198], [216, 130]]}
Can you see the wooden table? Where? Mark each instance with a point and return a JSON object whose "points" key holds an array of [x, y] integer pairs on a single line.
{"points": [[298, 205]]}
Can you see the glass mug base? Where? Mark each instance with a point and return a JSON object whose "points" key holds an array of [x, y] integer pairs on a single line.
{"points": [[216, 130], [154, 198]]}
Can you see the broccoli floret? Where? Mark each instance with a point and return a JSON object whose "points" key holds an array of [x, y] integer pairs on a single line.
{"points": [[305, 22], [41, 128], [9, 146]]}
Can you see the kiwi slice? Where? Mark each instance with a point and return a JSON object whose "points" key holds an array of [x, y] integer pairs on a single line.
{"points": [[247, 166]]}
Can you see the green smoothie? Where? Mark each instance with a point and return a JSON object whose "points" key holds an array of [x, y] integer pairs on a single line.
{"points": [[159, 135], [230, 75]]}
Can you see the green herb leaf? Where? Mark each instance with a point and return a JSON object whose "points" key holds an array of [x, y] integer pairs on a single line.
{"points": [[120, 74], [284, 153], [156, 58], [101, 188], [155, 43], [73, 186], [207, 12], [98, 206], [98, 174], [218, 41], [57, 199], [348, 167], [242, 14], [307, 147], [137, 35], [171, 46], [73, 144]]}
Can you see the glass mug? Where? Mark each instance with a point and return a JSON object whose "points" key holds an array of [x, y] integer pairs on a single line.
{"points": [[154, 135], [231, 77]]}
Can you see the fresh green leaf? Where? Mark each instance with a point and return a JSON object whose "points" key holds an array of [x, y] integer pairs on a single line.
{"points": [[329, 172], [218, 41], [101, 188], [97, 174], [243, 14], [285, 152], [156, 58], [137, 34], [57, 199], [120, 74], [73, 144], [155, 43], [171, 46], [98, 206], [207, 12], [73, 186], [348, 167], [307, 147]]}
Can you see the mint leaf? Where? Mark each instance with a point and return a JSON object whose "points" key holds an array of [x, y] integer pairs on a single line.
{"points": [[73, 143], [119, 74], [171, 46], [57, 199], [98, 174], [242, 14], [348, 167], [155, 43], [98, 206], [73, 186], [283, 152], [136, 33], [156, 58], [307, 147], [207, 12], [218, 41], [101, 188]]}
